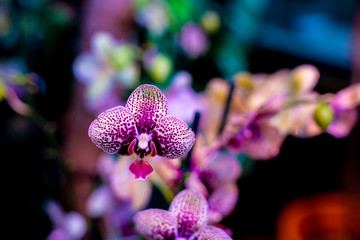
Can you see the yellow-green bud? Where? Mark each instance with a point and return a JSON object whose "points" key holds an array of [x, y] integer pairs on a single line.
{"points": [[161, 68], [323, 115], [122, 56], [210, 21]]}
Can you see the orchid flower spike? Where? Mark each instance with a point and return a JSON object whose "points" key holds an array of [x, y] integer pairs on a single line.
{"points": [[142, 128]]}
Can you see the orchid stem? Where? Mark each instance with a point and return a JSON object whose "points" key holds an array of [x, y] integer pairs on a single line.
{"points": [[187, 163], [162, 186], [227, 107]]}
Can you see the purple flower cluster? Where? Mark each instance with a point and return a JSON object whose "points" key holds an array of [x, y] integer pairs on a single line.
{"points": [[264, 109]]}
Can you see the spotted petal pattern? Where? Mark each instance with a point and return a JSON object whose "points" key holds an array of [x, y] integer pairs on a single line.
{"points": [[191, 211], [172, 137], [147, 104], [155, 224], [212, 233], [113, 129]]}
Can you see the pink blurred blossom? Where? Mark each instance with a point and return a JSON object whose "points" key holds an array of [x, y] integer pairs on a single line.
{"points": [[193, 40]]}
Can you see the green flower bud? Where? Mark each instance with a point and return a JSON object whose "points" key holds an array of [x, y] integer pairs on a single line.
{"points": [[210, 21], [122, 56], [323, 115], [161, 68]]}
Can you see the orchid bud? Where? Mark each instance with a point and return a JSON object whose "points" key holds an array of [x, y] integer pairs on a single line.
{"points": [[161, 68], [244, 81], [303, 79], [210, 21], [323, 115], [122, 56]]}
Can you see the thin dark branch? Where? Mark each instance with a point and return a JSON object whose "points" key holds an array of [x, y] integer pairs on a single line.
{"points": [[195, 125], [227, 107]]}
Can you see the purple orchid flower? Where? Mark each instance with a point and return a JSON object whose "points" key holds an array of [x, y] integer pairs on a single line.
{"points": [[142, 128], [186, 220], [66, 226], [16, 83], [254, 130], [299, 120], [183, 101], [214, 174], [117, 213]]}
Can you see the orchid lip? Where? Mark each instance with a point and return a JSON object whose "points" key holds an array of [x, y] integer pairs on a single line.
{"points": [[141, 169]]}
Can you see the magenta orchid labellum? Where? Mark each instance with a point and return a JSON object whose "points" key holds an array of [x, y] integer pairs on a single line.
{"points": [[142, 128]]}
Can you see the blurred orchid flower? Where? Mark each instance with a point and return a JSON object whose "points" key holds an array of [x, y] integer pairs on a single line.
{"points": [[254, 123], [126, 187], [107, 71], [296, 86], [298, 119], [154, 17], [120, 190], [253, 133], [100, 202], [118, 197], [117, 213], [193, 40], [338, 110], [344, 106], [15, 83], [257, 89], [210, 21], [118, 180], [216, 94], [169, 171], [158, 65], [214, 174], [186, 219], [248, 126], [183, 101], [66, 226], [308, 113], [142, 128]]}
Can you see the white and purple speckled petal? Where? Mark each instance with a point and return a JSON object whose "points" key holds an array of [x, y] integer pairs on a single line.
{"points": [[148, 105], [212, 233], [155, 224], [172, 137], [113, 129], [191, 211]]}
